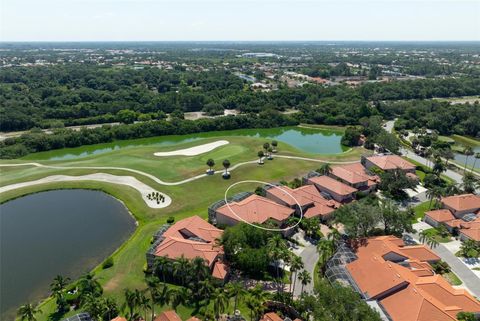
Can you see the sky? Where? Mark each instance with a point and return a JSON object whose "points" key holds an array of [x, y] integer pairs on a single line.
{"points": [[239, 20]]}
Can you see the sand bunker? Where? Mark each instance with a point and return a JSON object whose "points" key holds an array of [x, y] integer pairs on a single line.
{"points": [[192, 151], [145, 190]]}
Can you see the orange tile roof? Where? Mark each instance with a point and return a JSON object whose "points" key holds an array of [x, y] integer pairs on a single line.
{"points": [[119, 318], [389, 162], [168, 316], [454, 223], [333, 185], [306, 195], [428, 296], [351, 173], [462, 202], [472, 233], [195, 226], [441, 215], [271, 316], [194, 319], [256, 209], [220, 270]]}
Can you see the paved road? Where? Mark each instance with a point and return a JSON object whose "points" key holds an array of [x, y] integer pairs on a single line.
{"points": [[469, 279], [309, 257]]}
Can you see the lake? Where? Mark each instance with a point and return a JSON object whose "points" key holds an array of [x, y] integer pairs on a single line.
{"points": [[66, 232], [461, 158], [315, 141]]}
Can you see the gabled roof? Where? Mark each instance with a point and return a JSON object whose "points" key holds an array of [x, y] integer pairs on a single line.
{"points": [[168, 316], [195, 226], [462, 202], [220, 270], [442, 215], [256, 209], [351, 173], [307, 195], [389, 162], [271, 316], [333, 185], [473, 234], [174, 248]]}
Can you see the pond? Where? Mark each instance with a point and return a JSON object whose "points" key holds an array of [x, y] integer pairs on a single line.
{"points": [[461, 158], [63, 232], [315, 141]]}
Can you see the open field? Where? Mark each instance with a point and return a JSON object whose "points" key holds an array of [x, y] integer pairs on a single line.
{"points": [[188, 198]]}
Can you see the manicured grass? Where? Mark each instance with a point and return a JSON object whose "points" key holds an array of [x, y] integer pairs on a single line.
{"points": [[316, 275], [420, 174], [446, 139], [452, 278], [420, 211], [433, 232], [428, 170], [465, 140]]}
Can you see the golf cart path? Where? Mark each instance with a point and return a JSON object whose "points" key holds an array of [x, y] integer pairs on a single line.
{"points": [[161, 182], [131, 181], [193, 151]]}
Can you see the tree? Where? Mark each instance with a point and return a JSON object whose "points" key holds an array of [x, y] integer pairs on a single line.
{"points": [[468, 183], [296, 264], [351, 137], [127, 116], [88, 284], [325, 249], [277, 250], [220, 302], [226, 165], [237, 291], [305, 278], [438, 166], [470, 249], [161, 266], [274, 145], [210, 164], [266, 146], [144, 303], [27, 312], [178, 296], [181, 267], [132, 302], [468, 151], [466, 316], [428, 238], [58, 288], [477, 156], [358, 218], [260, 154], [394, 220], [434, 192], [325, 169], [394, 182]]}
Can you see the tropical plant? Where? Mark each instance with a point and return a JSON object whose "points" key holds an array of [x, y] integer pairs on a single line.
{"points": [[27, 312], [266, 146], [470, 249], [296, 264], [220, 301], [237, 291], [477, 156], [226, 164], [210, 164], [58, 291], [468, 151], [325, 169], [132, 302], [434, 193], [428, 238], [181, 267], [88, 284], [260, 155], [178, 296], [161, 266], [144, 303], [304, 278], [325, 249], [277, 250]]}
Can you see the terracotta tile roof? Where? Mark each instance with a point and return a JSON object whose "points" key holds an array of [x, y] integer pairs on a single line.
{"points": [[389, 162], [174, 248], [473, 234], [428, 296], [333, 185], [119, 318], [194, 226], [462, 202], [441, 215], [194, 319], [220, 270], [454, 223], [271, 316], [420, 253], [307, 195], [351, 173], [256, 209], [168, 316]]}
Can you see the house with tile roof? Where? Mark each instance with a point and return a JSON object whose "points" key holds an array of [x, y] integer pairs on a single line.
{"points": [[169, 315], [253, 209], [402, 283], [190, 238], [356, 176], [311, 201], [388, 163], [459, 214], [333, 188]]}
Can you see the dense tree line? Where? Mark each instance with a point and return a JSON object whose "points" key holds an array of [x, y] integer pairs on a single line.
{"points": [[39, 141]]}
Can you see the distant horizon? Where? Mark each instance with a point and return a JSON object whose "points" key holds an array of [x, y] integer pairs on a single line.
{"points": [[239, 41], [239, 20]]}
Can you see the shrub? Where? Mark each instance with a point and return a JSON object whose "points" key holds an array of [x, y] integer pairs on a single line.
{"points": [[170, 220], [108, 263]]}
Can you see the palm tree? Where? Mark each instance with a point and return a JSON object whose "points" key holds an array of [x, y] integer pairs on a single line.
{"points": [[305, 278], [274, 145], [210, 164], [468, 184], [235, 289], [468, 152], [144, 303], [95, 306], [434, 193], [88, 284], [277, 249], [226, 164], [260, 155], [255, 300], [220, 301], [325, 249], [180, 269], [296, 265], [27, 312], [132, 301], [438, 166], [429, 239], [57, 287], [178, 296], [161, 265], [152, 286], [477, 156], [448, 154], [325, 169]]}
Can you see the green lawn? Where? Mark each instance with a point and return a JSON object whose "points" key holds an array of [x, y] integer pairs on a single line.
{"points": [[420, 211], [187, 199], [434, 233], [452, 278]]}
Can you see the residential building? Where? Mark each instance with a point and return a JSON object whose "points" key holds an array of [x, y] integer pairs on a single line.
{"points": [[356, 176], [332, 188], [400, 281], [253, 209], [388, 163], [312, 203], [463, 204], [190, 238], [169, 315]]}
